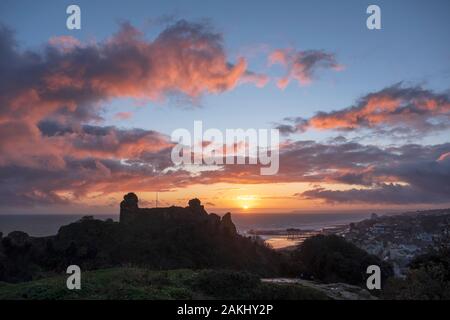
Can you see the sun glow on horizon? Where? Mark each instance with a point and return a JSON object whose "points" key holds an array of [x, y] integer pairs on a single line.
{"points": [[222, 198], [247, 201]]}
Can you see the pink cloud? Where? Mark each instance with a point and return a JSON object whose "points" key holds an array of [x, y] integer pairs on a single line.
{"points": [[185, 58], [123, 115], [302, 65], [64, 43], [392, 110]]}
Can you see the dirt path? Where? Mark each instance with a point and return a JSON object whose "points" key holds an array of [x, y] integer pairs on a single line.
{"points": [[337, 291]]}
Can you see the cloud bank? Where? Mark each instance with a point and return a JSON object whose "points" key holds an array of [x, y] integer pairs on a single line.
{"points": [[53, 150], [395, 110]]}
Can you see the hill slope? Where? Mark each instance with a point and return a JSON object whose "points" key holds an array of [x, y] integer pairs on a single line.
{"points": [[137, 284], [156, 238]]}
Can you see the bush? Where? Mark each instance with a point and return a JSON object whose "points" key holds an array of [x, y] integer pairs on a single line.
{"points": [[427, 279], [333, 259], [226, 284]]}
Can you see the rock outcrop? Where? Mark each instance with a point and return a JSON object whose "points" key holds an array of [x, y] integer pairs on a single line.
{"points": [[196, 207], [128, 206], [227, 224]]}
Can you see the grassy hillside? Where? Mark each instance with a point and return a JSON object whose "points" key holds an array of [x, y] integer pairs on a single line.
{"points": [[134, 283]]}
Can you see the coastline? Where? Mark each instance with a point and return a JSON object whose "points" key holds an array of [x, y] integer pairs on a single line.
{"points": [[47, 225]]}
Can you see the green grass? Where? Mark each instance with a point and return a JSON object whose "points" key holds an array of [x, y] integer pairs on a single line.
{"points": [[142, 284]]}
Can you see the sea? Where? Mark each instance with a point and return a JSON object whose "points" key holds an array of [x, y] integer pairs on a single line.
{"points": [[46, 225]]}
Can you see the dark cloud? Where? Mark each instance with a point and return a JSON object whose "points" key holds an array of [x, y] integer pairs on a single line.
{"points": [[302, 65], [413, 168], [384, 194], [418, 175], [402, 172], [294, 125], [414, 173]]}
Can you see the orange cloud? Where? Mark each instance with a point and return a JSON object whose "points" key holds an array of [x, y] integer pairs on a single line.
{"points": [[186, 58], [48, 97], [302, 65], [395, 109]]}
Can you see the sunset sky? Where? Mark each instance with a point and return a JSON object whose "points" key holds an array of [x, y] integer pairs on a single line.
{"points": [[86, 115]]}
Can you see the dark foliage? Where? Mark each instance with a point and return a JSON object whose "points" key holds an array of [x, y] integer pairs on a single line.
{"points": [[333, 259], [427, 279], [230, 284], [227, 284], [160, 242]]}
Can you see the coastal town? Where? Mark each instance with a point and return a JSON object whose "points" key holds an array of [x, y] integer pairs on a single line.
{"points": [[395, 238], [399, 238]]}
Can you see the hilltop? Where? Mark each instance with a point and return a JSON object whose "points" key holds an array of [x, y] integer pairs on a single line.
{"points": [[157, 238]]}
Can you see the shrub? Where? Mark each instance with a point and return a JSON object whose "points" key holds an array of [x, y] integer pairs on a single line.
{"points": [[333, 259], [427, 279], [226, 284]]}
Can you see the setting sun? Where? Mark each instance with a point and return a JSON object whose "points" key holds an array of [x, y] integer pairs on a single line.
{"points": [[247, 201]]}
